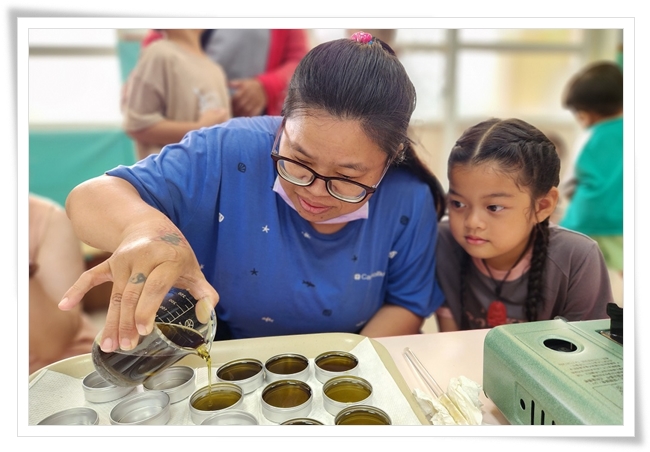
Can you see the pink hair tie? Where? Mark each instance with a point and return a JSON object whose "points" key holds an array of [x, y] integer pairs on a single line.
{"points": [[362, 37]]}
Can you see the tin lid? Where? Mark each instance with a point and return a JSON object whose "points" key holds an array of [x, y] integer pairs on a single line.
{"points": [[72, 416], [98, 390], [231, 417], [144, 408], [178, 382], [212, 399], [302, 421], [345, 390], [362, 415]]}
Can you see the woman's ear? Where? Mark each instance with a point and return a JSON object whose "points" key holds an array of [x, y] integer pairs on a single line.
{"points": [[545, 205]]}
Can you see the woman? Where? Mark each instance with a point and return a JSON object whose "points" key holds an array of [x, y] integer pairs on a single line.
{"points": [[320, 220]]}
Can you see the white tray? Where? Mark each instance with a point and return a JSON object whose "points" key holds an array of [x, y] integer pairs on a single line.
{"points": [[310, 345]]}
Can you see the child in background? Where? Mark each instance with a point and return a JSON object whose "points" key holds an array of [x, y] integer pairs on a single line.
{"points": [[174, 88], [595, 207], [498, 258]]}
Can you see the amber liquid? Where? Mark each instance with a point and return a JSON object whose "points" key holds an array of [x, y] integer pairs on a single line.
{"points": [[336, 363], [124, 368], [363, 418], [286, 396], [217, 400], [347, 392], [287, 365], [239, 371]]}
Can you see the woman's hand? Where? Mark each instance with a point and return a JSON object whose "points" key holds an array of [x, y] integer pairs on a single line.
{"points": [[149, 257]]}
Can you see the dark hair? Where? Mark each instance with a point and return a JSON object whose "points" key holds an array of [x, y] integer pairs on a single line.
{"points": [[524, 153], [365, 82], [597, 88]]}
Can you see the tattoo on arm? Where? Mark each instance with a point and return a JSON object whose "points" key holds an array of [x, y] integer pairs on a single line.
{"points": [[172, 238], [138, 279]]}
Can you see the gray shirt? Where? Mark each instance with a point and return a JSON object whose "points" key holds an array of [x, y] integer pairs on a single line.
{"points": [[576, 281], [242, 53]]}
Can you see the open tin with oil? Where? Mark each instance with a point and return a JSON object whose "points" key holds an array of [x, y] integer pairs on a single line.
{"points": [[72, 416], [341, 392], [335, 363], [212, 399], [286, 399], [143, 408], [178, 382], [362, 415], [231, 417], [247, 373], [287, 366]]}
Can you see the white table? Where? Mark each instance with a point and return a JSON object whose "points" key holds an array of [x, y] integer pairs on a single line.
{"points": [[445, 355]]}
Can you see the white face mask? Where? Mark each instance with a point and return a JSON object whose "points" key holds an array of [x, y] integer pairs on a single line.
{"points": [[359, 214]]}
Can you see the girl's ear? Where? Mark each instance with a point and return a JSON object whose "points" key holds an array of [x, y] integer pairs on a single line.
{"points": [[545, 205]]}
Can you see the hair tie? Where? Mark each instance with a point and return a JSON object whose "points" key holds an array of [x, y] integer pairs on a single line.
{"points": [[362, 37]]}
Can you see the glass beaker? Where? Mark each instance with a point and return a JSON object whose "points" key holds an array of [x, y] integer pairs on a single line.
{"points": [[177, 333]]}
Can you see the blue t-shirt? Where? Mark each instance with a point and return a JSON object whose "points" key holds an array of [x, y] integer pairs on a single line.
{"points": [[274, 273]]}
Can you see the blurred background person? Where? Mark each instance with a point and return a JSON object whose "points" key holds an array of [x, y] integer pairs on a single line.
{"points": [[174, 88], [258, 64], [55, 262]]}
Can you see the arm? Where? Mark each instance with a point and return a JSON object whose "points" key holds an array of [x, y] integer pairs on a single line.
{"points": [[446, 320], [149, 256], [58, 264], [169, 131], [392, 320]]}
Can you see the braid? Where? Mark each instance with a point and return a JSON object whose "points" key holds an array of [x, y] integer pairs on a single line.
{"points": [[464, 270], [537, 267]]}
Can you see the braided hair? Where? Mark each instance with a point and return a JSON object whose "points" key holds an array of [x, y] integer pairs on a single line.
{"points": [[525, 153]]}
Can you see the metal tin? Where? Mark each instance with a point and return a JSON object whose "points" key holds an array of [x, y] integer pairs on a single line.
{"points": [[341, 392], [362, 415], [231, 417], [72, 416], [302, 421], [143, 408], [98, 390], [335, 363], [287, 366], [212, 399], [179, 382], [286, 399], [247, 373]]}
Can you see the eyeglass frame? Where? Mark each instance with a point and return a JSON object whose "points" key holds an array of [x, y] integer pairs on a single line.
{"points": [[275, 155]]}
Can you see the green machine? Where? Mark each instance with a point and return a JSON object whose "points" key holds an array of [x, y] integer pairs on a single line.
{"points": [[556, 372]]}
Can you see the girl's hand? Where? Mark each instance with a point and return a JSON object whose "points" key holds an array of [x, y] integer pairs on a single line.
{"points": [[147, 264]]}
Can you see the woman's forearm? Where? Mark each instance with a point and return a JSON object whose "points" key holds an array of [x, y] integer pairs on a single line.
{"points": [[392, 320]]}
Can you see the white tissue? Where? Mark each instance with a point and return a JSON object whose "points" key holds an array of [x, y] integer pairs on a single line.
{"points": [[465, 395]]}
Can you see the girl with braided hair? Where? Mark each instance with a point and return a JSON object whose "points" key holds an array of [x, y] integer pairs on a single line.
{"points": [[499, 260]]}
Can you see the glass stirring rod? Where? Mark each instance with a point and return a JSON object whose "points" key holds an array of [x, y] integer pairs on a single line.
{"points": [[434, 388]]}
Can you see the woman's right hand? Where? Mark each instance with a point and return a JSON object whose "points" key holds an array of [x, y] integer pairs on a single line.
{"points": [[149, 256]]}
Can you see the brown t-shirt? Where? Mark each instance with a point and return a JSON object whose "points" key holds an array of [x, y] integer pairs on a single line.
{"points": [[576, 282], [171, 83]]}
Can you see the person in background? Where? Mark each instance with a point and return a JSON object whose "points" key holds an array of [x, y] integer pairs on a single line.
{"points": [[174, 88], [258, 63], [55, 262], [498, 259], [595, 190], [322, 220]]}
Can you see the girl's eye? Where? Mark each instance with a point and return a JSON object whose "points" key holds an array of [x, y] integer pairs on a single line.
{"points": [[456, 204], [494, 208]]}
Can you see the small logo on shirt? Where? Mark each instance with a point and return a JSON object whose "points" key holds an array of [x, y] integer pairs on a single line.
{"points": [[366, 277]]}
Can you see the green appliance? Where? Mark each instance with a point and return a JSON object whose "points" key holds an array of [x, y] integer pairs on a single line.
{"points": [[555, 372]]}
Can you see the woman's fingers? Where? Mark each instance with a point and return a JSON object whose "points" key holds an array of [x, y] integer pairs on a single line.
{"points": [[88, 279]]}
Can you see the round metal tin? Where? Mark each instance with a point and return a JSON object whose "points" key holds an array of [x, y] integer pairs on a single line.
{"points": [[346, 390], [335, 363], [286, 366], [247, 373], [286, 399], [362, 415], [179, 382], [212, 399], [302, 421], [231, 417], [72, 416], [98, 390], [143, 408]]}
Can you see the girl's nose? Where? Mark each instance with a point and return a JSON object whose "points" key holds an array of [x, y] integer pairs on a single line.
{"points": [[473, 220]]}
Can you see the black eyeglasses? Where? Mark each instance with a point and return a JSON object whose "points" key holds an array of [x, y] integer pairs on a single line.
{"points": [[303, 176]]}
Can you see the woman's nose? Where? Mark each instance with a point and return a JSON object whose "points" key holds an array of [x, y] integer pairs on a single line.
{"points": [[318, 188]]}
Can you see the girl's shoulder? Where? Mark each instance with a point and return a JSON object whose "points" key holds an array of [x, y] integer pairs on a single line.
{"points": [[567, 246]]}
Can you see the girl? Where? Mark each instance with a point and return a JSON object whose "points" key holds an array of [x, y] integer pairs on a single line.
{"points": [[499, 260]]}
